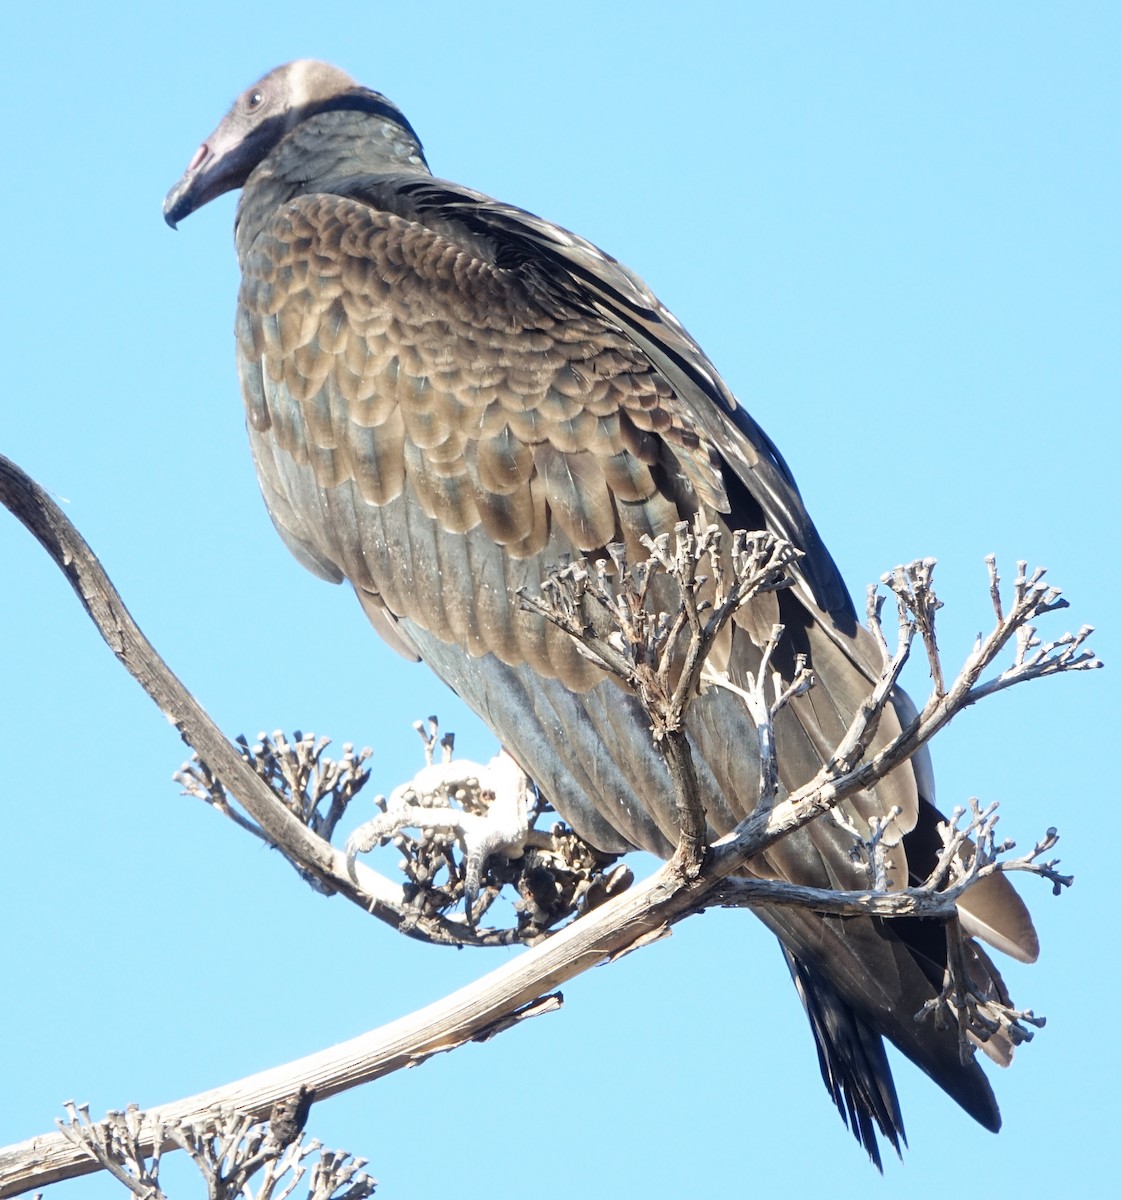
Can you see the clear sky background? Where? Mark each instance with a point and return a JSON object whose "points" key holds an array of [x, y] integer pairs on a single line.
{"points": [[893, 227]]}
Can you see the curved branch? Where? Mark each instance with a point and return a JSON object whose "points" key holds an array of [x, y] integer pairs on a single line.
{"points": [[622, 923], [472, 1013], [27, 501]]}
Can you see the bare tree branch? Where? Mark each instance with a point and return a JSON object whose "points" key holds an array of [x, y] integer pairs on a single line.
{"points": [[31, 505], [849, 771], [970, 853], [662, 657], [228, 1148]]}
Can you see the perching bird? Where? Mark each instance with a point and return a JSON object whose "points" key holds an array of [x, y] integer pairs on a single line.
{"points": [[445, 397]]}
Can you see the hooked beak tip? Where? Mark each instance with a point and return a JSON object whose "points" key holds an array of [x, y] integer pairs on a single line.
{"points": [[177, 204]]}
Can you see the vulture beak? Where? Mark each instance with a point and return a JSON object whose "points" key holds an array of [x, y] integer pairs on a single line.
{"points": [[184, 197], [222, 163]]}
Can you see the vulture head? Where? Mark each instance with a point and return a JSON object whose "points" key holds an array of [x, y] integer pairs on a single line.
{"points": [[258, 119]]}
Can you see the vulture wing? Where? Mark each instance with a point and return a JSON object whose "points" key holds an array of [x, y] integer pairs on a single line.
{"points": [[447, 395]]}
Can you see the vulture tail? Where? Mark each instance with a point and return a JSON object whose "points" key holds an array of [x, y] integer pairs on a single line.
{"points": [[853, 1062]]}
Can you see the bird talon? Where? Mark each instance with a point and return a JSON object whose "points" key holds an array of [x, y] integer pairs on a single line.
{"points": [[490, 815]]}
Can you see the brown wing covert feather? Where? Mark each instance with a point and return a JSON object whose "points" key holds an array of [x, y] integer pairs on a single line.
{"points": [[455, 424]]}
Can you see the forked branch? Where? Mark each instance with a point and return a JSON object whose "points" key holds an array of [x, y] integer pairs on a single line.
{"points": [[661, 654]]}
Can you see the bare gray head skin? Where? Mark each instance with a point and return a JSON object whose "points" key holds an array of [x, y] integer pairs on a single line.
{"points": [[258, 119]]}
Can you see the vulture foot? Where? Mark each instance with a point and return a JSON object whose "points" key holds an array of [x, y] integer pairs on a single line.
{"points": [[485, 807]]}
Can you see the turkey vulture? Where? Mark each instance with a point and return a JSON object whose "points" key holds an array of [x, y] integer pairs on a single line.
{"points": [[447, 395]]}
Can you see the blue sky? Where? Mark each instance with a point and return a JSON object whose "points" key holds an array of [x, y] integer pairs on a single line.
{"points": [[894, 229]]}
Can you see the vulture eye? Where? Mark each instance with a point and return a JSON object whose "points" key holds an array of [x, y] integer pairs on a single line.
{"points": [[254, 99]]}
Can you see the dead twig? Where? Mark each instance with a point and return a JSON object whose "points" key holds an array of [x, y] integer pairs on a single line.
{"points": [[228, 1147], [661, 655]]}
